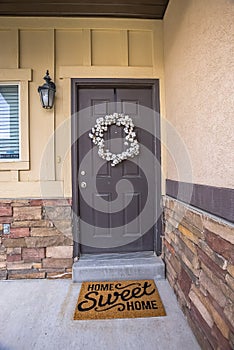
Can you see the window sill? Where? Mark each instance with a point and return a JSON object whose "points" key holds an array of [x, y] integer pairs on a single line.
{"points": [[14, 165]]}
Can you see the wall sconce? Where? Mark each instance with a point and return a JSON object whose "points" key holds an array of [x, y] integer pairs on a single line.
{"points": [[47, 92]]}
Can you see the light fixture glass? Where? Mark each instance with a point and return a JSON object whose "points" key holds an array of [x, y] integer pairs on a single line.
{"points": [[47, 92]]}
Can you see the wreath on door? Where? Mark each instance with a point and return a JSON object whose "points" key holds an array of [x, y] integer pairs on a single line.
{"points": [[130, 141]]}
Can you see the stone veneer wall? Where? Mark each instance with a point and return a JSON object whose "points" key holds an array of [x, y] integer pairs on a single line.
{"points": [[199, 256], [40, 243]]}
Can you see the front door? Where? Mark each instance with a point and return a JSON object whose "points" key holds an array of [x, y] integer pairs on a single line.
{"points": [[116, 205]]}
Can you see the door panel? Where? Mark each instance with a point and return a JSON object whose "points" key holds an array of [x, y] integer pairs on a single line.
{"points": [[98, 226]]}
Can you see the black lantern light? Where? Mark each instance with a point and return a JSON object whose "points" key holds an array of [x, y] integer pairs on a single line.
{"points": [[47, 92]]}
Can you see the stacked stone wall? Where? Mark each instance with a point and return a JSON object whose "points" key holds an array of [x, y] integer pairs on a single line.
{"points": [[39, 243], [198, 250]]}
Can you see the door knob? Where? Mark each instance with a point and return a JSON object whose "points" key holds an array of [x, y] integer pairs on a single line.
{"points": [[83, 184]]}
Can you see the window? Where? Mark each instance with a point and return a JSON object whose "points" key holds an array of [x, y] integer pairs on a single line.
{"points": [[9, 122], [14, 115]]}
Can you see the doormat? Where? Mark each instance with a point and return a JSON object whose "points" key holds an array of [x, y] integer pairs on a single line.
{"points": [[118, 299]]}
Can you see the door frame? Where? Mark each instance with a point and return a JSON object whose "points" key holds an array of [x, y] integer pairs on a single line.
{"points": [[76, 83]]}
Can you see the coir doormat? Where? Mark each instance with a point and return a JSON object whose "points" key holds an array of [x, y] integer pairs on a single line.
{"points": [[119, 299]]}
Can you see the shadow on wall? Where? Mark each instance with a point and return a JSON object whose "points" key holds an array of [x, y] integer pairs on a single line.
{"points": [[176, 22]]}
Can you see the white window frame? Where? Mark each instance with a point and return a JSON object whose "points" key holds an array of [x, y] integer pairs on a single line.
{"points": [[19, 118], [20, 77]]}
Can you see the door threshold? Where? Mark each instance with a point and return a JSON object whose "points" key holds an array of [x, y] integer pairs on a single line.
{"points": [[118, 266], [111, 256]]}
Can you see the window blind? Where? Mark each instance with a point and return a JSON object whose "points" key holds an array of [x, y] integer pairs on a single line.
{"points": [[9, 122]]}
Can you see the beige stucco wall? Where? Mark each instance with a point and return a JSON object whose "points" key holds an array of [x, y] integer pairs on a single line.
{"points": [[69, 48], [199, 80]]}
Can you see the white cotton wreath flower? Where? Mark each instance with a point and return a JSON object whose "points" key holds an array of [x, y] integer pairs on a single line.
{"points": [[101, 126]]}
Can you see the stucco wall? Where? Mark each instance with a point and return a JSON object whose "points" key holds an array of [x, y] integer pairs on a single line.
{"points": [[69, 48], [199, 76]]}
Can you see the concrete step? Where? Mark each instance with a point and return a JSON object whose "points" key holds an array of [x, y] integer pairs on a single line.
{"points": [[110, 267]]}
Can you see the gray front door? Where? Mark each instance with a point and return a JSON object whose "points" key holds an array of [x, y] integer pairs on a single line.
{"points": [[102, 227]]}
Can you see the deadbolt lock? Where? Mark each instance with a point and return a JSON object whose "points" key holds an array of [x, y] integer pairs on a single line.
{"points": [[83, 184]]}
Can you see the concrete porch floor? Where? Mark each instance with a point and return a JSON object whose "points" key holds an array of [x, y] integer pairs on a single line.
{"points": [[38, 314]]}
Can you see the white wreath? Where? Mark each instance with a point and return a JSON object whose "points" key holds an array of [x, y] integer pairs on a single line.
{"points": [[101, 126]]}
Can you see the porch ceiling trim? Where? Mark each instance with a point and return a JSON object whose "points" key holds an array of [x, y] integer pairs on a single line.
{"points": [[147, 9]]}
